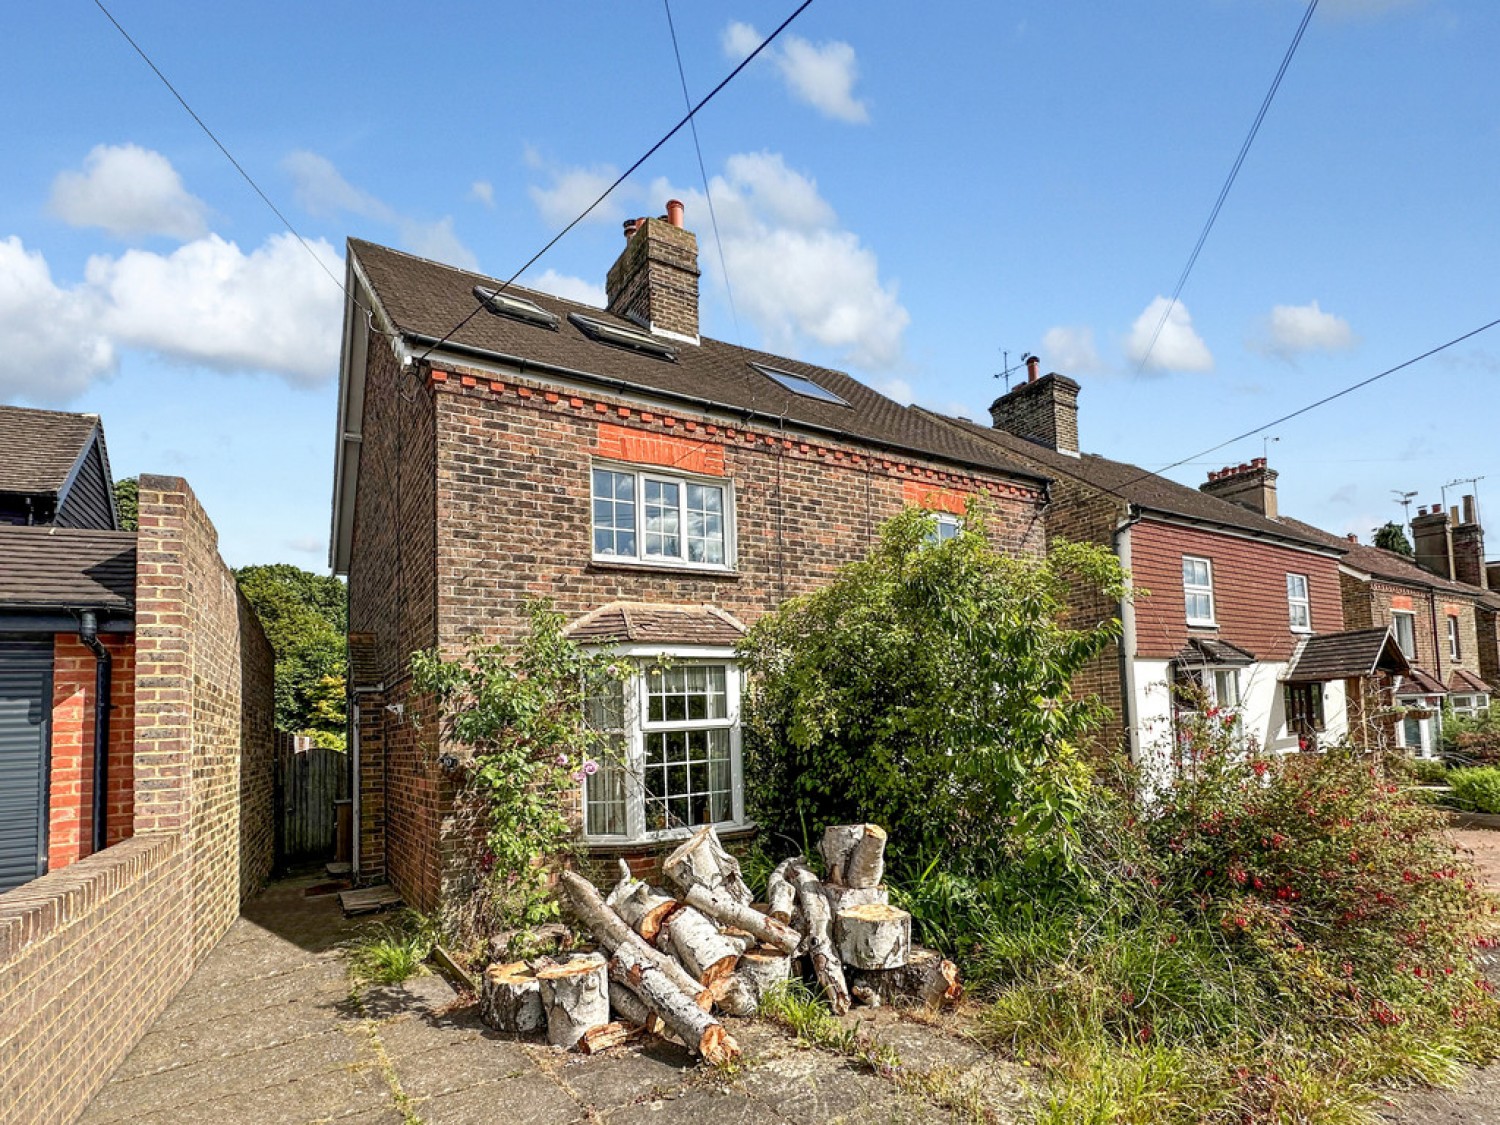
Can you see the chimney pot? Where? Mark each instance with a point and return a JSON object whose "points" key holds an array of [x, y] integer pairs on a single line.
{"points": [[1033, 365], [674, 212], [1469, 510], [1352, 537]]}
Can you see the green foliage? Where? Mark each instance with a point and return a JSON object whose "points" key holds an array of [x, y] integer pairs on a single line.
{"points": [[1476, 789], [795, 1007], [1472, 739], [306, 619], [518, 713], [127, 502], [1427, 771], [391, 952], [1392, 537], [926, 689]]}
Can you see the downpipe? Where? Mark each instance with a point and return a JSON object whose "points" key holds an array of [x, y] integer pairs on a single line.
{"points": [[88, 634]]}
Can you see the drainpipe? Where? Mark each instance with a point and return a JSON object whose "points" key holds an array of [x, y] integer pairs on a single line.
{"points": [[88, 633]]}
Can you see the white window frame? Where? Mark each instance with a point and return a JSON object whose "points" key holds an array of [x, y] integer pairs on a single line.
{"points": [[644, 473], [1296, 601], [945, 526], [1191, 590], [637, 726], [1470, 704], [1455, 645], [1411, 622], [1429, 730]]}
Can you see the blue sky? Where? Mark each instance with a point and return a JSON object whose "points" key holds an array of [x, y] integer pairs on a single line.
{"points": [[902, 191]]}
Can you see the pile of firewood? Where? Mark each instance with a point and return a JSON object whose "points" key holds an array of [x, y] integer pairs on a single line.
{"points": [[670, 962]]}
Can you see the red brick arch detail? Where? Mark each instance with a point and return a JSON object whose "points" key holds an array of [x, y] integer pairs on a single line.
{"points": [[922, 495], [619, 443]]}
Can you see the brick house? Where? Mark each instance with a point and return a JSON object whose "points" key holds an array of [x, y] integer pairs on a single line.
{"points": [[1228, 598], [135, 758], [661, 488]]}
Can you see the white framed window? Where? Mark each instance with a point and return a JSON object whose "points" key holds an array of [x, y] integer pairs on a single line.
{"points": [[945, 526], [673, 728], [1405, 625], [645, 516], [1470, 706], [1454, 648], [1198, 590], [1299, 605], [1418, 730]]}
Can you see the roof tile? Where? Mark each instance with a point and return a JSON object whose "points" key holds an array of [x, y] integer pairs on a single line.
{"points": [[66, 568]]}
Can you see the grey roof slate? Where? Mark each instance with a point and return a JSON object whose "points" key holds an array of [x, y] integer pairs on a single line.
{"points": [[425, 298], [1387, 564], [38, 448], [66, 568], [1210, 650], [656, 623], [1347, 655]]}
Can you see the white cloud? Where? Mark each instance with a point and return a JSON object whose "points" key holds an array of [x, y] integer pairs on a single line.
{"points": [[569, 288], [482, 191], [129, 191], [53, 345], [820, 74], [1070, 350], [436, 241], [795, 273], [1292, 330], [572, 190], [1178, 347]]}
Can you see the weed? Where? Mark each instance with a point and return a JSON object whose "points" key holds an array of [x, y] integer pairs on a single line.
{"points": [[792, 1005], [391, 952]]}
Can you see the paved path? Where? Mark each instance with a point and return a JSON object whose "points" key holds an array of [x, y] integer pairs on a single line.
{"points": [[266, 1031]]}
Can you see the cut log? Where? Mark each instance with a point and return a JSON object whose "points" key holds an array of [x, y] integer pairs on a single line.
{"points": [[764, 968], [701, 861], [820, 949], [704, 952], [735, 996], [864, 994], [837, 842], [742, 939], [575, 995], [873, 937], [643, 907], [677, 1009], [632, 1009], [719, 906], [842, 898], [510, 999], [612, 932], [865, 866], [605, 1036], [926, 978], [781, 895]]}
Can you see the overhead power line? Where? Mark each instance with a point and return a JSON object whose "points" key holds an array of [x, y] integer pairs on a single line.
{"points": [[645, 156], [1234, 171]]}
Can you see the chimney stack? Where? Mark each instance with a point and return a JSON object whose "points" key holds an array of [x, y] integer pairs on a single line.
{"points": [[654, 282], [1042, 410], [1433, 538], [1250, 485], [1468, 547]]}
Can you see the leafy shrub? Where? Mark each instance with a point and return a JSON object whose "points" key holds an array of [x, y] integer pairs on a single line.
{"points": [[1477, 790], [1427, 771], [926, 689], [1472, 740]]}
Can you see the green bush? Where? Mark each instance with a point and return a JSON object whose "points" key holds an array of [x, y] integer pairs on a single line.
{"points": [[1427, 771], [1472, 740], [1477, 790]]}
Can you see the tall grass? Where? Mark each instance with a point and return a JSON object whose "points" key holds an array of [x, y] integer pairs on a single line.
{"points": [[391, 952]]}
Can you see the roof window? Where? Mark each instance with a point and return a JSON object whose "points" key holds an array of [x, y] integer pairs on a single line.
{"points": [[622, 337], [799, 384], [516, 308]]}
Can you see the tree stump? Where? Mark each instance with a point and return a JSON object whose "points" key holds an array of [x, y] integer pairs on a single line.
{"points": [[842, 898], [926, 978], [873, 937], [735, 996], [575, 995], [510, 999], [764, 968], [704, 952]]}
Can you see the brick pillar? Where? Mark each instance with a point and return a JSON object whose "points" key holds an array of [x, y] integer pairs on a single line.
{"points": [[371, 782]]}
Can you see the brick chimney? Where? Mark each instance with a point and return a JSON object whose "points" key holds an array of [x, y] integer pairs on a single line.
{"points": [[1251, 485], [1468, 547], [654, 282], [1433, 539], [1492, 572], [1043, 409]]}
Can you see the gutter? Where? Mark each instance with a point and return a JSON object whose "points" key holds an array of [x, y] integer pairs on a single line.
{"points": [[88, 633]]}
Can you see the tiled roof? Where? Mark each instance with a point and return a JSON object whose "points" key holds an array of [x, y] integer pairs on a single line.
{"points": [[1348, 655], [1386, 564], [1133, 484], [66, 568], [38, 448], [426, 299], [1422, 683], [654, 623], [1211, 650], [1464, 681]]}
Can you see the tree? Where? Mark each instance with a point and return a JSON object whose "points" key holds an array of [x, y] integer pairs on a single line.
{"points": [[1392, 537], [306, 619], [127, 503], [927, 689]]}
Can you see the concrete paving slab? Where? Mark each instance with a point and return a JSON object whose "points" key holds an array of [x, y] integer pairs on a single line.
{"points": [[336, 1096], [431, 1074], [721, 1105], [627, 1075], [530, 1099]]}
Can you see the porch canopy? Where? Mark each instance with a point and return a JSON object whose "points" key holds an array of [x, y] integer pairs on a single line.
{"points": [[1353, 654]]}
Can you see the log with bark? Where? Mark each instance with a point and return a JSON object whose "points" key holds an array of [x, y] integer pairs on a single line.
{"points": [[873, 937], [820, 949], [605, 1036], [728, 912], [645, 978], [703, 861], [705, 952], [611, 931], [632, 1009], [643, 907], [842, 898], [854, 854], [926, 978], [781, 894], [510, 999], [575, 995]]}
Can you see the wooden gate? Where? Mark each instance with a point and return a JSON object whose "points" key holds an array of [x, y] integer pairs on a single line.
{"points": [[309, 779]]}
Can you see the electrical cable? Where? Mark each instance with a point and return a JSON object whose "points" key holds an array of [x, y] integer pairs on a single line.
{"points": [[647, 155], [1213, 215]]}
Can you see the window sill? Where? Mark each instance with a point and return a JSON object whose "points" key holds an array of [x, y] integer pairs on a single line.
{"points": [[601, 566], [609, 847], [1203, 625]]}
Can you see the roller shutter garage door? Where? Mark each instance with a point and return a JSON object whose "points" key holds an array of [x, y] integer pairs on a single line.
{"points": [[25, 710]]}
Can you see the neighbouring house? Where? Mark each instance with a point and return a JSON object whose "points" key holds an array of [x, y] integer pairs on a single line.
{"points": [[662, 489], [1227, 595], [135, 758]]}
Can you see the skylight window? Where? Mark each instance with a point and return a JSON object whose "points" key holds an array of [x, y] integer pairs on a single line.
{"points": [[799, 384], [517, 308], [622, 337]]}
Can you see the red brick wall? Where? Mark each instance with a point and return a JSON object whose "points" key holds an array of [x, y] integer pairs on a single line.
{"points": [[1249, 580], [70, 830], [1376, 601]]}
